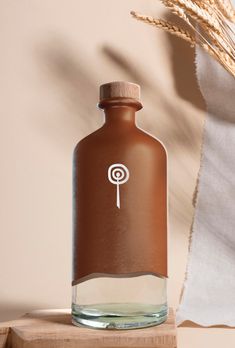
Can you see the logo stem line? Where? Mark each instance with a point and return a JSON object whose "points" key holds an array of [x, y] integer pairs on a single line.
{"points": [[118, 195]]}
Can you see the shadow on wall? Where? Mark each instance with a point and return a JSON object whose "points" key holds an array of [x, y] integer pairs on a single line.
{"points": [[180, 130], [78, 90], [71, 78], [183, 66]]}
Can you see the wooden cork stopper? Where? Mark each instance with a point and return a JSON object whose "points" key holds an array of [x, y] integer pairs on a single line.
{"points": [[119, 89]]}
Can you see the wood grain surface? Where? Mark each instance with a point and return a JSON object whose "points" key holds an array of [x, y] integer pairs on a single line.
{"points": [[53, 328]]}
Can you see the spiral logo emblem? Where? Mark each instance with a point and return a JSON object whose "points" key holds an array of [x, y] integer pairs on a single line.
{"points": [[118, 174]]}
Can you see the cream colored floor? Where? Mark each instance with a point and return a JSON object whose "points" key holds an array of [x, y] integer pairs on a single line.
{"points": [[54, 56]]}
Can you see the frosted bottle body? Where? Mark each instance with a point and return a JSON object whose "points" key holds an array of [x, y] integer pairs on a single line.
{"points": [[120, 224]]}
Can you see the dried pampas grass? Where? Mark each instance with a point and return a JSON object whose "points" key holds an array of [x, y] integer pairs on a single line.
{"points": [[211, 22]]}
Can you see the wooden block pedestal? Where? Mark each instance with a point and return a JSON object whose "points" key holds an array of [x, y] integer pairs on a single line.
{"points": [[53, 329]]}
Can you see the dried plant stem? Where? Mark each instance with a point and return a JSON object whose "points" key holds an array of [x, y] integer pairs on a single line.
{"points": [[221, 57], [180, 13], [226, 8], [223, 40], [167, 26], [215, 51], [204, 16], [210, 21]]}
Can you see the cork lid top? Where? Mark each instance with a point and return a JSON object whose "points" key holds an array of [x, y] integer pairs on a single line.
{"points": [[117, 89]]}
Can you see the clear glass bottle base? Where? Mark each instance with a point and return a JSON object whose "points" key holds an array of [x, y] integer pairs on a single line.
{"points": [[121, 316]]}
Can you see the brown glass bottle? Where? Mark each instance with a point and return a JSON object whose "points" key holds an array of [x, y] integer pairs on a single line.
{"points": [[119, 219]]}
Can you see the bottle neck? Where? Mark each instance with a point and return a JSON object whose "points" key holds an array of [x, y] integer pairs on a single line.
{"points": [[120, 113], [120, 116]]}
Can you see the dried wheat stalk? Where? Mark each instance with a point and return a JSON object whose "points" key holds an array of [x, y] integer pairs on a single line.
{"points": [[167, 26], [211, 22], [204, 16], [227, 9], [224, 6], [218, 36]]}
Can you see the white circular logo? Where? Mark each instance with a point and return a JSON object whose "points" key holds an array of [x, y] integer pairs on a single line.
{"points": [[118, 174]]}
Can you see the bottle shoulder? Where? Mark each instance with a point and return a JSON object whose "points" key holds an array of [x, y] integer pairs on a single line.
{"points": [[135, 137], [88, 139], [152, 140]]}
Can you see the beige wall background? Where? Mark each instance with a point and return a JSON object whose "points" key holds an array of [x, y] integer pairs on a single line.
{"points": [[54, 56]]}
